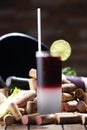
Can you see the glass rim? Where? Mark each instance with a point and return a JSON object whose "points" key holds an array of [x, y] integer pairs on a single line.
{"points": [[44, 53]]}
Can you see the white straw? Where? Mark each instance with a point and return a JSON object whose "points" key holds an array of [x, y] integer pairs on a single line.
{"points": [[39, 28]]}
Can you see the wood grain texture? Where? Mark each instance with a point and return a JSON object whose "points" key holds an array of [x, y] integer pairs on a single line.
{"points": [[17, 127], [74, 127], [46, 127]]}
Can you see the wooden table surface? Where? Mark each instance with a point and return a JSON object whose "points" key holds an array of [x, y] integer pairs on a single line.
{"points": [[45, 127]]}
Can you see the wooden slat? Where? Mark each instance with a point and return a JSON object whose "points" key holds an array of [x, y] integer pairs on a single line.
{"points": [[2, 127], [46, 127], [17, 127], [74, 127]]}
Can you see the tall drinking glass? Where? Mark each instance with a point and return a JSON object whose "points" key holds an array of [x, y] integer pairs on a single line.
{"points": [[48, 83]]}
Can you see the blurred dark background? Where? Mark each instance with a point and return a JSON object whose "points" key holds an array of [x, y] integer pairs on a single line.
{"points": [[61, 19]]}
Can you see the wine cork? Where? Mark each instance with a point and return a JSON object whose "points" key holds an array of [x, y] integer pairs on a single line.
{"points": [[32, 83], [67, 97], [70, 106], [82, 107], [29, 118], [68, 118], [33, 73], [31, 107], [68, 87], [13, 108], [81, 95], [46, 119], [9, 119]]}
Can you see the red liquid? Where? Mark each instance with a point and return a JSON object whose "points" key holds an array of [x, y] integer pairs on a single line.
{"points": [[49, 72]]}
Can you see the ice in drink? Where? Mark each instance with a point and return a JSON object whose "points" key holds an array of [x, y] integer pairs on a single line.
{"points": [[48, 83]]}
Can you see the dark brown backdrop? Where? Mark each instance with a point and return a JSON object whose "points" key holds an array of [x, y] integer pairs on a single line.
{"points": [[66, 19]]}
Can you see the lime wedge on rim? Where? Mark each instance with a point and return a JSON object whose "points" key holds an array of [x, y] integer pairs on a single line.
{"points": [[61, 48]]}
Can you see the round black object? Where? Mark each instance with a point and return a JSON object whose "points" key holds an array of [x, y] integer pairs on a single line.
{"points": [[17, 54]]}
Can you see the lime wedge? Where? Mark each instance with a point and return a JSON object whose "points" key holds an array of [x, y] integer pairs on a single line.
{"points": [[61, 48]]}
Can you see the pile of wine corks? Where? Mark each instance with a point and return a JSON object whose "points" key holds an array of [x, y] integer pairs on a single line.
{"points": [[74, 98], [74, 106]]}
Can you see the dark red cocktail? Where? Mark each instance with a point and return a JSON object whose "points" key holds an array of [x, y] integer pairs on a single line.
{"points": [[48, 83]]}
